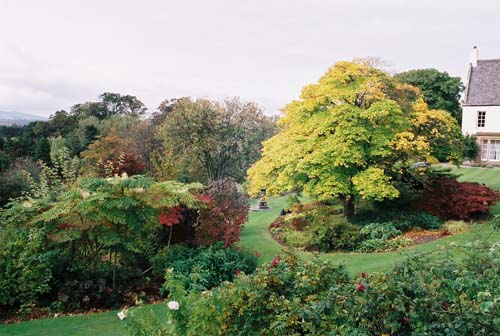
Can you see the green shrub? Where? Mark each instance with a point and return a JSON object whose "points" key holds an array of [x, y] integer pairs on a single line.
{"points": [[400, 219], [422, 296], [25, 268], [398, 242], [372, 245], [204, 267], [456, 227], [382, 231], [295, 238], [379, 244], [332, 233]]}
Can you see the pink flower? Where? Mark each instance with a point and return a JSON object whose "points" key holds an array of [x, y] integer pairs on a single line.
{"points": [[275, 261], [363, 275], [237, 272], [361, 287]]}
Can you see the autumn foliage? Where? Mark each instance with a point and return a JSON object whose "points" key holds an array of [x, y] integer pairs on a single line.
{"points": [[224, 211], [111, 155], [448, 198], [170, 216]]}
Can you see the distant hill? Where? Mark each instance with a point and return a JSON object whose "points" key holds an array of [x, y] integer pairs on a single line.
{"points": [[8, 118]]}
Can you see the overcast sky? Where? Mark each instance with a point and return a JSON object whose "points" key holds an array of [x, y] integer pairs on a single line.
{"points": [[54, 54]]}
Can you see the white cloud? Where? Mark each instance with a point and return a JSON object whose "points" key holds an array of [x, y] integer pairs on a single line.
{"points": [[58, 53]]}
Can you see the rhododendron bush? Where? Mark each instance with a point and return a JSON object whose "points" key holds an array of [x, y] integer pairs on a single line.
{"points": [[448, 198]]}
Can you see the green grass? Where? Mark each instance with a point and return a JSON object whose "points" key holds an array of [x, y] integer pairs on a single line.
{"points": [[488, 176], [255, 236], [80, 325]]}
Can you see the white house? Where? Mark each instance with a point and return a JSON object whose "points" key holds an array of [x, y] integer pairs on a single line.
{"points": [[481, 107]]}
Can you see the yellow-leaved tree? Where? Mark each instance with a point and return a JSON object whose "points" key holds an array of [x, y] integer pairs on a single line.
{"points": [[346, 137]]}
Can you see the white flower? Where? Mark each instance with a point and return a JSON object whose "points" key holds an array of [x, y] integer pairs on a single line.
{"points": [[124, 175], [27, 204], [84, 194], [173, 305], [122, 315]]}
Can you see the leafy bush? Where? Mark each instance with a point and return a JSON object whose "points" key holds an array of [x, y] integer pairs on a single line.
{"points": [[455, 227], [422, 296], [295, 238], [77, 294], [112, 154], [12, 184], [403, 220], [382, 231], [381, 237], [87, 244], [225, 212], [380, 244], [25, 267], [298, 222], [447, 198], [204, 267], [470, 148], [332, 233]]}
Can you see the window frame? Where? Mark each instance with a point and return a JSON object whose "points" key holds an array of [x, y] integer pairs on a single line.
{"points": [[487, 145], [481, 119], [495, 144]]}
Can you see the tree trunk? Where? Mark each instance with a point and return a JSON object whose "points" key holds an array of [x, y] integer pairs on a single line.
{"points": [[348, 203]]}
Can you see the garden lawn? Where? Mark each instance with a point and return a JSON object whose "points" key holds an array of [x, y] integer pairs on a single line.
{"points": [[106, 324], [256, 234], [488, 176]]}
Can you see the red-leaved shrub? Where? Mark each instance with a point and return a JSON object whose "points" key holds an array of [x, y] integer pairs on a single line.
{"points": [[224, 212], [171, 216], [448, 198]]}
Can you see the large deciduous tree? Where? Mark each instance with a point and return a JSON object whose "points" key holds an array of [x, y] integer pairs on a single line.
{"points": [[110, 104], [440, 90], [205, 140], [441, 130], [344, 138]]}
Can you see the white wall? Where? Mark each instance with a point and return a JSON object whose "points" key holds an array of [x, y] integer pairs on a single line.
{"points": [[469, 119]]}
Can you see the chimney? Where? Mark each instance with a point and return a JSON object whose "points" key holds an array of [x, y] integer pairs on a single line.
{"points": [[473, 56]]}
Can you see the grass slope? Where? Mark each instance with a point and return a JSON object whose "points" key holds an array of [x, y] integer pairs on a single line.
{"points": [[256, 237], [488, 176], [80, 325]]}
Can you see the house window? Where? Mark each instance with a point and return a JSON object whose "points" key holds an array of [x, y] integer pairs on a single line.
{"points": [[494, 150], [484, 150], [490, 150], [481, 118]]}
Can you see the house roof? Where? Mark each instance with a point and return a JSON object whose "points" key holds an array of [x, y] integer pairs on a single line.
{"points": [[483, 86]]}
